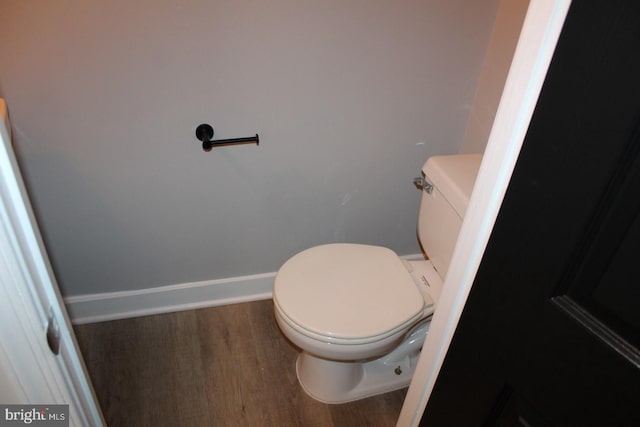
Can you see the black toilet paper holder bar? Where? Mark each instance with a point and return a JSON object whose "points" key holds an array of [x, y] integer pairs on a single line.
{"points": [[204, 133]]}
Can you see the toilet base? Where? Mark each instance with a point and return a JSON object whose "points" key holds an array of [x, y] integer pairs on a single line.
{"points": [[331, 381]]}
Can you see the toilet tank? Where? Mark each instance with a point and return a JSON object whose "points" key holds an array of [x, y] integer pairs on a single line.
{"points": [[443, 208]]}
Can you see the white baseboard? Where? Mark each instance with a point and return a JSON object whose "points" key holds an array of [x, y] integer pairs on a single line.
{"points": [[165, 299]]}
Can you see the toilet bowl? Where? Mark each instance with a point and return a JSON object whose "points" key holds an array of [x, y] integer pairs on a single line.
{"points": [[360, 313], [348, 311], [350, 322]]}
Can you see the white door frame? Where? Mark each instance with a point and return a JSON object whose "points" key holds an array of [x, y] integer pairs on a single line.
{"points": [[30, 372], [537, 42]]}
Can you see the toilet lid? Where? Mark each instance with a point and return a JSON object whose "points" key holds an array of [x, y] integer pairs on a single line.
{"points": [[347, 291]]}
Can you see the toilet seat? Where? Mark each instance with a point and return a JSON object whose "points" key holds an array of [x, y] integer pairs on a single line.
{"points": [[347, 293]]}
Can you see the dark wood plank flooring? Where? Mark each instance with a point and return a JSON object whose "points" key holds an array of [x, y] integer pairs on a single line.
{"points": [[220, 366]]}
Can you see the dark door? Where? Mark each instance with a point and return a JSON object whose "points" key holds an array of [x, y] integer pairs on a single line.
{"points": [[550, 335]]}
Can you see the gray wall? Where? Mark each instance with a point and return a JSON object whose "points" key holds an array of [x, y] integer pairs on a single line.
{"points": [[349, 99], [497, 61]]}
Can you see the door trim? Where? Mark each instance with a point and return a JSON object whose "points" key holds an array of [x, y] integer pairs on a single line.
{"points": [[29, 297], [537, 42], [568, 306]]}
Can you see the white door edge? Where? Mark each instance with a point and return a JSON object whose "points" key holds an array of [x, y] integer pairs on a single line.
{"points": [[29, 295]]}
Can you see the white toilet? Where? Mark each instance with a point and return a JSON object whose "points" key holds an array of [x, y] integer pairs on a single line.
{"points": [[359, 313]]}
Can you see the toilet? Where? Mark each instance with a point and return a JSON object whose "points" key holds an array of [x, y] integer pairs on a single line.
{"points": [[360, 313]]}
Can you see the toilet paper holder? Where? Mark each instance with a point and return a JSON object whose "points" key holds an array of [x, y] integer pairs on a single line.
{"points": [[204, 133]]}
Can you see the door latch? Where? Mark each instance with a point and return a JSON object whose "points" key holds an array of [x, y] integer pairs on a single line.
{"points": [[53, 333]]}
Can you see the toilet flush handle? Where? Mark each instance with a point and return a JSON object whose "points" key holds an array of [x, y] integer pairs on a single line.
{"points": [[423, 184]]}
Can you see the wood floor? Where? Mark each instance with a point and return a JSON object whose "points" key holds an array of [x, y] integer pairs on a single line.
{"points": [[221, 366]]}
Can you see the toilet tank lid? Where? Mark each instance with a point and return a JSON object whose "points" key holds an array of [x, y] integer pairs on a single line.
{"points": [[454, 177]]}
